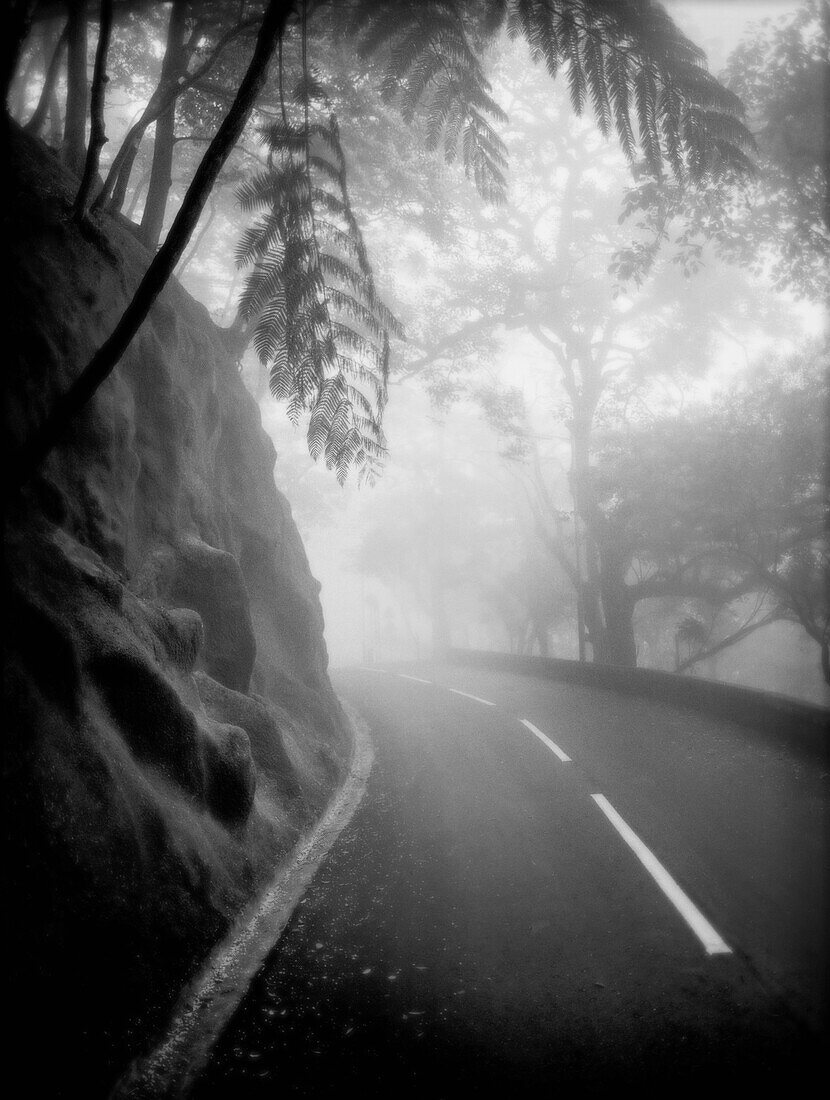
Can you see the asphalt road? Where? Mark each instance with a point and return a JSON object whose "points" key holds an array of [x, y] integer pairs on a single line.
{"points": [[566, 888]]}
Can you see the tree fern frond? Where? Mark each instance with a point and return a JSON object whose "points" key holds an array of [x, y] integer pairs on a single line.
{"points": [[575, 71], [332, 204], [333, 267], [269, 335], [283, 136], [423, 74], [623, 55], [311, 284], [309, 89], [264, 283], [452, 131], [264, 236], [351, 307], [320, 326], [255, 193], [618, 77], [327, 171], [432, 67], [597, 81], [645, 96]]}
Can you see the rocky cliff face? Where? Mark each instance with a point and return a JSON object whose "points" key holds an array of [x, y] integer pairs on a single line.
{"points": [[170, 724]]}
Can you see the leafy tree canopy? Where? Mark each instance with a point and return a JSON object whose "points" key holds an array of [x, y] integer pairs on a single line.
{"points": [[729, 496], [643, 78], [775, 220]]}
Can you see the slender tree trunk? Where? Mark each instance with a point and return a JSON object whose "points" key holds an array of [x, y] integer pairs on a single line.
{"points": [[589, 599], [580, 598], [137, 191], [67, 407], [115, 185], [114, 191], [47, 96], [97, 136], [161, 174], [618, 645], [606, 605], [74, 132], [55, 121], [121, 177], [161, 180], [200, 236], [15, 25], [20, 86]]}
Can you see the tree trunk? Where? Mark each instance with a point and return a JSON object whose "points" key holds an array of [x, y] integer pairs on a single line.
{"points": [[200, 236], [55, 121], [161, 174], [74, 132], [825, 659], [115, 185], [590, 610], [593, 621], [52, 51], [618, 645], [67, 407], [18, 91], [16, 21], [161, 180], [137, 192], [581, 632], [121, 178], [606, 602], [97, 136], [114, 191]]}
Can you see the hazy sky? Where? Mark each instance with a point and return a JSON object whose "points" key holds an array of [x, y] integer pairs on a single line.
{"points": [[718, 25]]}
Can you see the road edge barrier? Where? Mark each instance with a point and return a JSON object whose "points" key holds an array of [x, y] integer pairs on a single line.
{"points": [[804, 726]]}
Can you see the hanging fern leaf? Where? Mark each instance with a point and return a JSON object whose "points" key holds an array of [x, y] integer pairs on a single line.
{"points": [[319, 324], [627, 57], [433, 68], [598, 84]]}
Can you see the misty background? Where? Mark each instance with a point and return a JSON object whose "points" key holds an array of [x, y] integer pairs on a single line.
{"points": [[589, 338]]}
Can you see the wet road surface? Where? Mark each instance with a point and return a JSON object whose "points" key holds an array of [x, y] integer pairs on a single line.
{"points": [[548, 885]]}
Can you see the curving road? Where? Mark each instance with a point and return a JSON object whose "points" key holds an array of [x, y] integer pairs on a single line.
{"points": [[548, 885]]}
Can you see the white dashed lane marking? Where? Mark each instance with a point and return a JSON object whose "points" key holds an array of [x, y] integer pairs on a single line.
{"points": [[475, 698], [712, 942], [701, 927], [563, 756]]}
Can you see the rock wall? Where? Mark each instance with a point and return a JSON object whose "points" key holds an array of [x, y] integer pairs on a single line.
{"points": [[171, 729]]}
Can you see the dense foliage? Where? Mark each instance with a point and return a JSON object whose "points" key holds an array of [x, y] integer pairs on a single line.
{"points": [[641, 75]]}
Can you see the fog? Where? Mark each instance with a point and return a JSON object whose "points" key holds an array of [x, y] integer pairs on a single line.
{"points": [[455, 543], [416, 443], [605, 425]]}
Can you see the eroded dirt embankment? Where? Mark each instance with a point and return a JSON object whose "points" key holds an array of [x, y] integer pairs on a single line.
{"points": [[171, 729]]}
